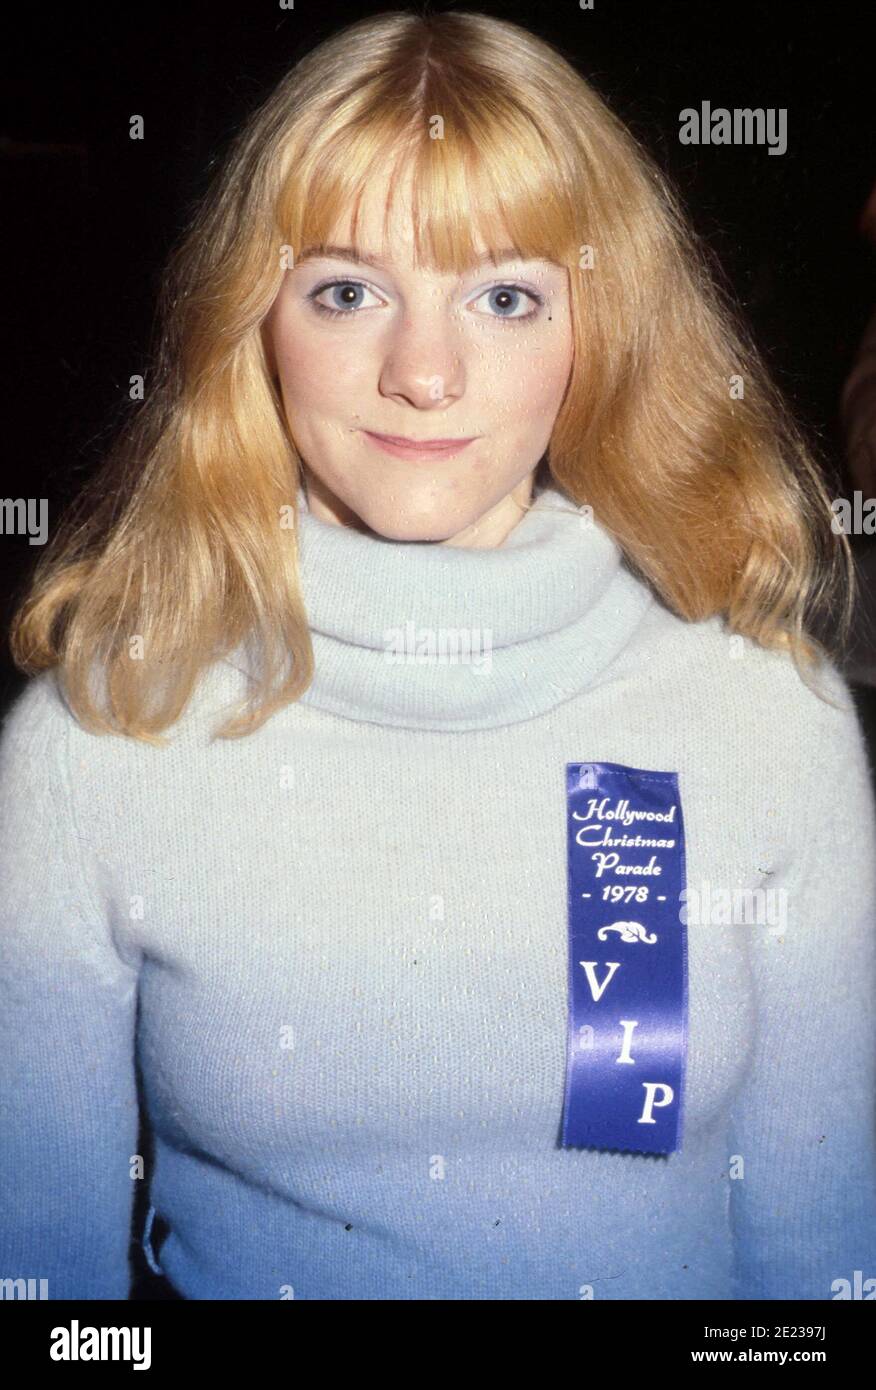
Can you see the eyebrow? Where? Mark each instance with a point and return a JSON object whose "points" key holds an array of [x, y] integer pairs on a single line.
{"points": [[349, 253]]}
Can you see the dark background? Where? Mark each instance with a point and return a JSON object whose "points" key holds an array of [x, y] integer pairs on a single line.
{"points": [[91, 214]]}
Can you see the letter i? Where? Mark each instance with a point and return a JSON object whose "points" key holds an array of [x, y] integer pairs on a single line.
{"points": [[628, 1025]]}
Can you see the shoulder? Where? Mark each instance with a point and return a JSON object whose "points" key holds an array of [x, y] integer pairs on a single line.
{"points": [[35, 725], [43, 744], [747, 712], [728, 674], [747, 721]]}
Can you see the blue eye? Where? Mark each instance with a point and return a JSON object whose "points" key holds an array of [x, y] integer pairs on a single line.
{"points": [[335, 313], [515, 294], [508, 299]]}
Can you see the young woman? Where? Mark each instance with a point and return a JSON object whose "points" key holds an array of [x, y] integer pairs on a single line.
{"points": [[432, 803]]}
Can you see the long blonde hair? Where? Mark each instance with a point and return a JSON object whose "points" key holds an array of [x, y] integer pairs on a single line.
{"points": [[670, 428]]}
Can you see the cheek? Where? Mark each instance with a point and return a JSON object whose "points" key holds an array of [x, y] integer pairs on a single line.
{"points": [[527, 385], [319, 370]]}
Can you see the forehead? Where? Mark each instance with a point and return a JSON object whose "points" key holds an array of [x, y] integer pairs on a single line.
{"points": [[385, 187], [383, 222], [431, 209], [382, 227]]}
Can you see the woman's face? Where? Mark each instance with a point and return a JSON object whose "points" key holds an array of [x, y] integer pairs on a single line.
{"points": [[380, 348]]}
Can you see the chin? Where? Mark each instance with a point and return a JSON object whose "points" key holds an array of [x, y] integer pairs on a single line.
{"points": [[416, 519], [392, 528]]}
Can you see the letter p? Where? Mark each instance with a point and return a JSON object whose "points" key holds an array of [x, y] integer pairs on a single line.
{"points": [[650, 1088]]}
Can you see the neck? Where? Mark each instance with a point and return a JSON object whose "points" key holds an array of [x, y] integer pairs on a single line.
{"points": [[456, 638]]}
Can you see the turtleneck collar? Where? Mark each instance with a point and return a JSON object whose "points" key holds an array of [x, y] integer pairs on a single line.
{"points": [[423, 635]]}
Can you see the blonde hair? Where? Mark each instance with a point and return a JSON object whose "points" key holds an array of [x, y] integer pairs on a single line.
{"points": [[715, 501]]}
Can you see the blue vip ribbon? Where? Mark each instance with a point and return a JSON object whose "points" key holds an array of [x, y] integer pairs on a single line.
{"points": [[627, 1038]]}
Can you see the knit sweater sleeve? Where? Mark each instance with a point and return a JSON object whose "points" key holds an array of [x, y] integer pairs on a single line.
{"points": [[803, 1199], [67, 1014]]}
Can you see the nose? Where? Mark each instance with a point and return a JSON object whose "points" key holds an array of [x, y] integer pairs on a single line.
{"points": [[422, 365]]}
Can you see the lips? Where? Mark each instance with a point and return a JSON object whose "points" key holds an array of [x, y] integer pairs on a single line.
{"points": [[402, 447], [421, 443]]}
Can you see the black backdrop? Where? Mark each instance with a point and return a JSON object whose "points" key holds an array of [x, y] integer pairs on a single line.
{"points": [[90, 214]]}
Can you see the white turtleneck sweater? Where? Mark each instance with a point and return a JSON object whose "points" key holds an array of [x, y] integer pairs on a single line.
{"points": [[337, 951]]}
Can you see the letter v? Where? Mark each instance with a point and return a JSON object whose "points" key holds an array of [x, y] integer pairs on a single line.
{"points": [[596, 990]]}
